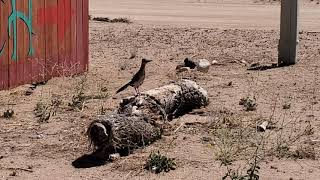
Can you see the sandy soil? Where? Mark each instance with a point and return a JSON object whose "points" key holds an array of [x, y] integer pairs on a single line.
{"points": [[33, 150]]}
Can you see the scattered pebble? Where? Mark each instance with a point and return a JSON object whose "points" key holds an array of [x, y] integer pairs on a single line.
{"points": [[13, 173], [206, 139], [214, 62], [29, 92], [184, 138], [203, 65], [273, 167], [244, 62]]}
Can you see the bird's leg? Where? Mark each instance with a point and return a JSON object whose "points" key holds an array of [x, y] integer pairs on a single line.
{"points": [[137, 91]]}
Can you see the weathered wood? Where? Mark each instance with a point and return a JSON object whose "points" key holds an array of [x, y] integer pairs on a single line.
{"points": [[288, 33], [140, 120]]}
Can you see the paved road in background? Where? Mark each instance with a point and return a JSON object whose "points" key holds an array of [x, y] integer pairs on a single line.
{"points": [[207, 13]]}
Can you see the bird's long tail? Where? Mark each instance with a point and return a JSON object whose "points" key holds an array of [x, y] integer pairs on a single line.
{"points": [[123, 88]]}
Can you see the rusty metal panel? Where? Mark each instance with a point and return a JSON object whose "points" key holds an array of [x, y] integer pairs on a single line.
{"points": [[4, 56], [41, 39], [85, 33], [73, 25], [61, 37], [38, 60], [79, 29], [68, 14], [51, 31]]}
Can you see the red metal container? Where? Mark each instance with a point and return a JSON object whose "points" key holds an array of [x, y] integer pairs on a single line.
{"points": [[41, 39]]}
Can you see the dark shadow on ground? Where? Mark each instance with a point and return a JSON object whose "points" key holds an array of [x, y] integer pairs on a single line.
{"points": [[88, 161], [263, 67]]}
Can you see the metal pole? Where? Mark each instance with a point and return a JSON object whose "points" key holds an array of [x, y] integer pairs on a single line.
{"points": [[288, 33]]}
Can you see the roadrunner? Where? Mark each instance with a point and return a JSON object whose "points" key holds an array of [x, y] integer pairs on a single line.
{"points": [[137, 79]]}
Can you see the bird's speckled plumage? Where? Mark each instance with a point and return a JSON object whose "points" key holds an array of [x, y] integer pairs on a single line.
{"points": [[138, 78]]}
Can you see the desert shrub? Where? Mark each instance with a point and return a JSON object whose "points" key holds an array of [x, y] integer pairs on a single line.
{"points": [[158, 163]]}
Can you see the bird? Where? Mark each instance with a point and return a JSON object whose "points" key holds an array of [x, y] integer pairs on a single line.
{"points": [[137, 79]]}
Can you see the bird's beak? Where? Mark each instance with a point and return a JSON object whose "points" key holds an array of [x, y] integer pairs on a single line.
{"points": [[148, 60]]}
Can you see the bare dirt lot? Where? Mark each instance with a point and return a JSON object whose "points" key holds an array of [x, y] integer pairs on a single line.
{"points": [[235, 34]]}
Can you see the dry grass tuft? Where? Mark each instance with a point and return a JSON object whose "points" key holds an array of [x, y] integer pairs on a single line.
{"points": [[45, 111], [249, 104], [115, 20]]}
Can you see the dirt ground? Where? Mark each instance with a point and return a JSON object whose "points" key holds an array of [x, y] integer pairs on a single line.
{"points": [[235, 38]]}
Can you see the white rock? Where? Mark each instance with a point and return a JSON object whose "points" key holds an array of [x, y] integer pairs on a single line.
{"points": [[214, 62], [203, 65], [115, 157], [244, 62]]}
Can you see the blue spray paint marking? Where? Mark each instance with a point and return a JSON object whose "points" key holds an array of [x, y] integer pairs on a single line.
{"points": [[12, 28], [4, 44], [2, 48]]}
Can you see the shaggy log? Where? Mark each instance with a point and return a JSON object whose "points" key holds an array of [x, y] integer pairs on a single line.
{"points": [[139, 120]]}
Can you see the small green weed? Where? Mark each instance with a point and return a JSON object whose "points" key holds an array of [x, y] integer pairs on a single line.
{"points": [[158, 163]]}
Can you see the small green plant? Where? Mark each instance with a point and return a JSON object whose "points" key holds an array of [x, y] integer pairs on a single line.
{"points": [[158, 163], [78, 99], [231, 174], [8, 114], [305, 152], [42, 112], [45, 111], [251, 174], [248, 103]]}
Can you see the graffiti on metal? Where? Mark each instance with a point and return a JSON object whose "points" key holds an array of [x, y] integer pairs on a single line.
{"points": [[45, 16], [12, 28]]}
